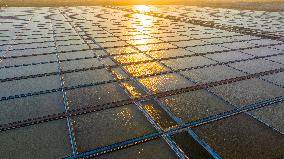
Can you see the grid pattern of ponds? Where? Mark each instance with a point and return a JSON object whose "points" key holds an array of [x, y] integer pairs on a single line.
{"points": [[141, 82]]}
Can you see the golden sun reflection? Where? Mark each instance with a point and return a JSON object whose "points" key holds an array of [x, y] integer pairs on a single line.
{"points": [[124, 59], [157, 83], [121, 50], [131, 89], [117, 75], [156, 54], [143, 41], [142, 8], [150, 84], [170, 101], [125, 115], [145, 20], [144, 69], [159, 117], [152, 111], [155, 47]]}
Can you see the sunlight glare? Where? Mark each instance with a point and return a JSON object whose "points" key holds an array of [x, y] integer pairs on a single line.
{"points": [[142, 8]]}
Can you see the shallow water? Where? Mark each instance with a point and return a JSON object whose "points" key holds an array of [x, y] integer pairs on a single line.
{"points": [[117, 82]]}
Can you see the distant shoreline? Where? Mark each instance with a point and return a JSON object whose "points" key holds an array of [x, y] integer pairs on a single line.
{"points": [[275, 6]]}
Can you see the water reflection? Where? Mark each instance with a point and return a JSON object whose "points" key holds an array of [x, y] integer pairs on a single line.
{"points": [[116, 74], [121, 50], [142, 8], [124, 59], [143, 41], [139, 23], [144, 69], [142, 24], [159, 116], [156, 83], [157, 54], [143, 20], [125, 115], [131, 89]]}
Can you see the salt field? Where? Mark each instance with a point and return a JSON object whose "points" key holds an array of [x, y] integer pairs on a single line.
{"points": [[141, 82]]}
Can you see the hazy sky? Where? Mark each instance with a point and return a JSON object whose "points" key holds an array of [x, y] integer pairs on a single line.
{"points": [[136, 2], [183, 1]]}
